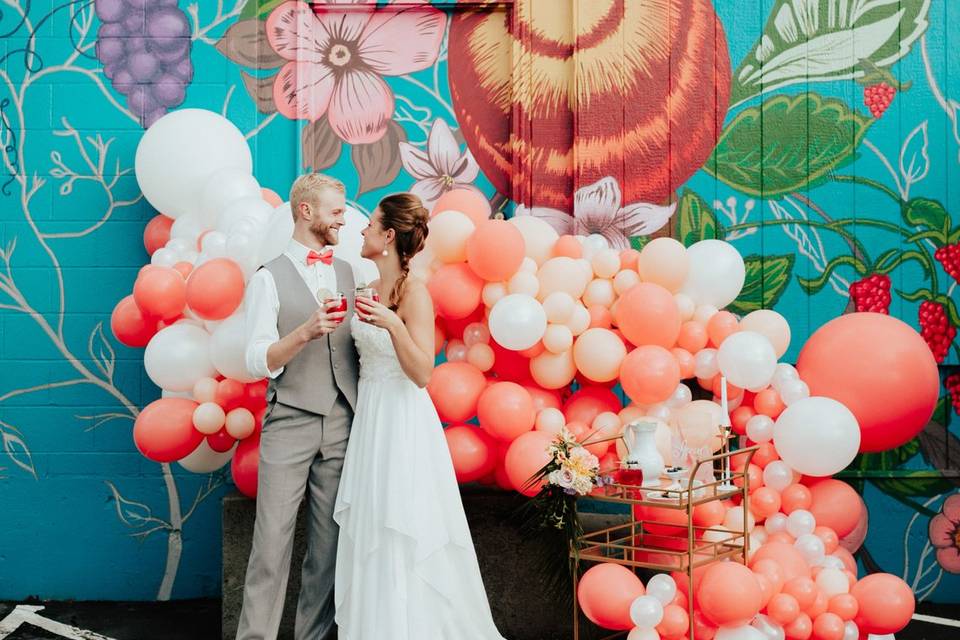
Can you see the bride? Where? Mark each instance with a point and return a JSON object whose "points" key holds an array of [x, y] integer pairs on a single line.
{"points": [[406, 566]]}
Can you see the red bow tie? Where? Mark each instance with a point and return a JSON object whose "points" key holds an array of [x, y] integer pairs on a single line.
{"points": [[326, 257]]}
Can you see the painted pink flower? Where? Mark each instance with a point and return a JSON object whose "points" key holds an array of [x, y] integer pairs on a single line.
{"points": [[338, 53], [944, 531], [597, 208], [439, 168]]}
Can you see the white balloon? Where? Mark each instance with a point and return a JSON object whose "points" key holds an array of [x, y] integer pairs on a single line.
{"points": [[203, 459], [733, 519], [810, 547], [646, 612], [538, 237], [772, 325], [760, 428], [228, 349], [178, 356], [716, 273], [777, 475], [832, 581], [663, 588], [179, 246], [517, 322], [747, 359], [682, 395], [255, 208], [224, 186], [242, 249], [180, 151], [643, 634], [685, 305], [188, 227], [801, 522], [176, 394], [278, 233], [852, 632], [793, 391], [164, 257], [784, 373], [768, 627], [817, 436], [350, 242], [705, 364], [775, 523], [744, 632], [214, 244]]}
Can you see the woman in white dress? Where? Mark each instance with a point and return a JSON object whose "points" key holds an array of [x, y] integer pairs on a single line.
{"points": [[406, 565]]}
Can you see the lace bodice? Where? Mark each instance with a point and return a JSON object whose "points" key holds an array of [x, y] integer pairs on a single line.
{"points": [[378, 359]]}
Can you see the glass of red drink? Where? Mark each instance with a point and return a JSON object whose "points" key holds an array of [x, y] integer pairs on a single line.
{"points": [[367, 293], [335, 302]]}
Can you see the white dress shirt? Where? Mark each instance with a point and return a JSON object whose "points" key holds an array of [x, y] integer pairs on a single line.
{"points": [[262, 306]]}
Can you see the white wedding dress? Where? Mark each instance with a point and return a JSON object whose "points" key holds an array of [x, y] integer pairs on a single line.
{"points": [[406, 565]]}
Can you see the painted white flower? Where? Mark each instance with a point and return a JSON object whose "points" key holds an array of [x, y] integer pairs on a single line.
{"points": [[441, 168], [597, 208]]}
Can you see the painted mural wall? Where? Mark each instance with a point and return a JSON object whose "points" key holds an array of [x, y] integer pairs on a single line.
{"points": [[819, 136]]}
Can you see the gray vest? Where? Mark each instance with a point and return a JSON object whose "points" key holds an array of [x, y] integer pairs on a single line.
{"points": [[325, 366]]}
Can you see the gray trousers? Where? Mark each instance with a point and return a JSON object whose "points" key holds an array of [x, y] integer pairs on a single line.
{"points": [[301, 454]]}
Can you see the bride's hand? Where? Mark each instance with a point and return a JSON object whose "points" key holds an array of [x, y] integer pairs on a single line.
{"points": [[377, 314]]}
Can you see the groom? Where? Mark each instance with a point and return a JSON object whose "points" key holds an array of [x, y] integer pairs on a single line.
{"points": [[308, 355]]}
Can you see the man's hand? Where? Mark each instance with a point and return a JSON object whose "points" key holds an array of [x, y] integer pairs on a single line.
{"points": [[321, 322]]}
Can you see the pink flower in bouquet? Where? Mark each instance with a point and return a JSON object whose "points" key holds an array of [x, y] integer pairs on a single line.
{"points": [[441, 167], [598, 208], [944, 531], [338, 52]]}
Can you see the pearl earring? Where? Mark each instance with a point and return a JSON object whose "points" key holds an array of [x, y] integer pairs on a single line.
{"points": [[386, 253]]}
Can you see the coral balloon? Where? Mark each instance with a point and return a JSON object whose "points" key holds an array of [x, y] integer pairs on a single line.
{"points": [[215, 289], [786, 555], [455, 389], [467, 201], [164, 430], [836, 504], [605, 593], [553, 370], [129, 324], [598, 354], [885, 602], [505, 410], [783, 608], [648, 315], [455, 290], [449, 232], [157, 233], [244, 466], [525, 456], [271, 197], [160, 292], [649, 374], [495, 250], [472, 451], [860, 357], [729, 594]]}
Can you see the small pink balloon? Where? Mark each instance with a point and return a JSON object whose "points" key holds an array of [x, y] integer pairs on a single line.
{"points": [[481, 356], [550, 420], [240, 423], [208, 418]]}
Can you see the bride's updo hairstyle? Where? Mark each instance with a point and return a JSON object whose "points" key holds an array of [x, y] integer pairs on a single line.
{"points": [[406, 215]]}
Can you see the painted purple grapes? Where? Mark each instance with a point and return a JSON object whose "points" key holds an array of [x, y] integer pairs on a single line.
{"points": [[144, 47]]}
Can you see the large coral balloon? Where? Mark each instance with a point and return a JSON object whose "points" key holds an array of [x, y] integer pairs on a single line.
{"points": [[621, 95], [164, 429], [880, 368]]}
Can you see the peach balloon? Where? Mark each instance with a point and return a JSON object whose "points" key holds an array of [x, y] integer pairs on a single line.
{"points": [[885, 603], [804, 589], [271, 197], [455, 389], [553, 370], [599, 292], [543, 398], [601, 318], [844, 605], [647, 315], [783, 608], [558, 306], [160, 292], [562, 274], [674, 623], [629, 259], [157, 233], [495, 251], [492, 292], [164, 431], [481, 356], [505, 410], [472, 451], [129, 324], [579, 320], [525, 283], [729, 594], [764, 502], [784, 554], [469, 202], [800, 629], [183, 268], [686, 362], [455, 290], [568, 246], [709, 514], [770, 324], [720, 326], [525, 456], [605, 263], [240, 423], [829, 538], [550, 420], [589, 402], [835, 504], [649, 374], [769, 403], [664, 261], [215, 289], [693, 336], [208, 418], [605, 593], [558, 338], [860, 357], [449, 232], [598, 354], [796, 497], [538, 237]]}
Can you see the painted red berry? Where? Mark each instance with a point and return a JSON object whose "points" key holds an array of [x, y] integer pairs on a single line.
{"points": [[952, 383], [872, 294], [936, 329], [878, 97], [949, 257]]}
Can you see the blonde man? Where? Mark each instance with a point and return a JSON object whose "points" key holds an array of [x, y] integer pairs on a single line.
{"points": [[306, 351]]}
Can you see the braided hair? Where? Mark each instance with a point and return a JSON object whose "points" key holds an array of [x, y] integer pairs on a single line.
{"points": [[406, 215]]}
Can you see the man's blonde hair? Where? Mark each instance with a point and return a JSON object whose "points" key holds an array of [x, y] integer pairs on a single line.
{"points": [[307, 189]]}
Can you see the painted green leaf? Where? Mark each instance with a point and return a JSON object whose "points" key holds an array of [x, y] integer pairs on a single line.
{"points": [[259, 8], [887, 460], [697, 220], [826, 40], [926, 213], [767, 277], [914, 483], [786, 144]]}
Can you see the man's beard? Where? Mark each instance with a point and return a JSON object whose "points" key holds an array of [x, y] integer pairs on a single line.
{"points": [[324, 233]]}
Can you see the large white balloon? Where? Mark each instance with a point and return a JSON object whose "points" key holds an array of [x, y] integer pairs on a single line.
{"points": [[203, 459], [817, 436], [223, 187], [253, 210], [744, 632], [278, 234], [178, 356], [747, 359], [227, 349], [179, 153], [716, 273], [350, 242], [517, 321]]}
